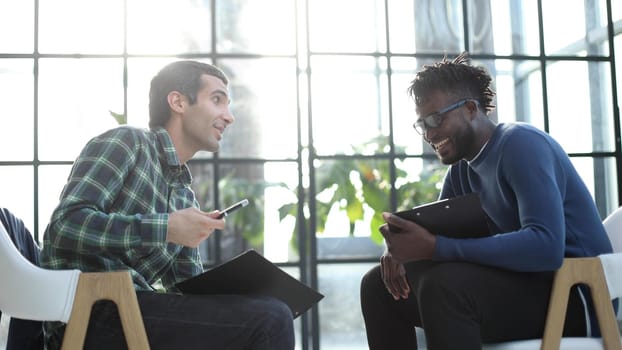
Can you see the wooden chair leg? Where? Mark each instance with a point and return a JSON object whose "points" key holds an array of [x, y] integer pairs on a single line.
{"points": [[604, 311], [586, 271], [556, 314], [114, 286]]}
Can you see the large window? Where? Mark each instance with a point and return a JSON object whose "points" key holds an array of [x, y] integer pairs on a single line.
{"points": [[323, 140]]}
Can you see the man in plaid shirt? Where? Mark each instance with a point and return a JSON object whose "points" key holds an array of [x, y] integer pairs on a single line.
{"points": [[128, 205]]}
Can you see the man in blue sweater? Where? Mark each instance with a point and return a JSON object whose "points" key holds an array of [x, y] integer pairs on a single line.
{"points": [[465, 292]]}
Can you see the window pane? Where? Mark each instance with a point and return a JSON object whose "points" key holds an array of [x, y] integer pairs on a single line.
{"points": [[348, 194], [75, 97], [255, 27], [600, 176], [52, 179], [518, 85], [280, 196], [264, 105], [418, 181], [349, 104], [203, 187], [335, 28], [579, 31], [439, 26], [341, 325], [618, 62], [75, 26], [580, 117], [405, 137], [16, 89], [480, 25], [17, 188], [257, 225], [169, 26], [518, 88], [402, 25], [140, 71], [17, 18], [514, 27], [351, 195], [295, 272], [506, 87]]}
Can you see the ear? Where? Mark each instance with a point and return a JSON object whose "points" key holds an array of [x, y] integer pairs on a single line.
{"points": [[176, 102], [473, 109]]}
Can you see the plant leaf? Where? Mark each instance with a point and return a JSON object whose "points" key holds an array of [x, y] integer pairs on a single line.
{"points": [[120, 118]]}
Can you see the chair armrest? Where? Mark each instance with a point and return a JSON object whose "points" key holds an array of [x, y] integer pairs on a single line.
{"points": [[587, 271], [116, 287]]}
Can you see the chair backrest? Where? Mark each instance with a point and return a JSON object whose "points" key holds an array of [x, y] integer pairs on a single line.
{"points": [[613, 225], [612, 263], [30, 292]]}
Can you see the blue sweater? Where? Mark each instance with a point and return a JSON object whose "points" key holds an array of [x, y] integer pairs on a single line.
{"points": [[536, 200]]}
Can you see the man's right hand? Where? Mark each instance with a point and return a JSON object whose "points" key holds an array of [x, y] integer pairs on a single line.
{"points": [[191, 226], [394, 277]]}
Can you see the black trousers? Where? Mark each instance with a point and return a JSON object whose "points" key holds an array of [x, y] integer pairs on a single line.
{"points": [[185, 321], [462, 305]]}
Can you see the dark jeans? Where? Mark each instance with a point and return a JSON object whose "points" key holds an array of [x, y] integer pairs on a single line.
{"points": [[175, 321], [460, 306], [23, 334]]}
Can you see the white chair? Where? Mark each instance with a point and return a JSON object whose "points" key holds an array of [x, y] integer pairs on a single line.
{"points": [[603, 275], [30, 292]]}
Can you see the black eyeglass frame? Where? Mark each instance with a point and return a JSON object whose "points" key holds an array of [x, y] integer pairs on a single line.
{"points": [[434, 120]]}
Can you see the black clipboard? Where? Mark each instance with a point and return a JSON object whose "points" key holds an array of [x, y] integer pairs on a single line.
{"points": [[251, 273], [456, 217]]}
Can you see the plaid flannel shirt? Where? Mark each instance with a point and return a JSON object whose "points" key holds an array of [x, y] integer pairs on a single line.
{"points": [[113, 211]]}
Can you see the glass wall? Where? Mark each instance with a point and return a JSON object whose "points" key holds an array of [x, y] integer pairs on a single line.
{"points": [[322, 142]]}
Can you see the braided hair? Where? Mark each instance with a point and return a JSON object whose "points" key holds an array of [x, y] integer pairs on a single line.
{"points": [[455, 77]]}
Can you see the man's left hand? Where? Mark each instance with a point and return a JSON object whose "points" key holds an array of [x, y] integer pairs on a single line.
{"points": [[412, 243]]}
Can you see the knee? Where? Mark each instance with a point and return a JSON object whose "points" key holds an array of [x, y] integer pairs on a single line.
{"points": [[372, 279], [374, 296], [435, 282], [441, 286], [279, 314], [371, 283], [278, 325]]}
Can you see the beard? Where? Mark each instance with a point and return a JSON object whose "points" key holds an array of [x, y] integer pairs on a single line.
{"points": [[462, 143]]}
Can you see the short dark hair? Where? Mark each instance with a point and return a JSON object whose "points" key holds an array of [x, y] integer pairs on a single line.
{"points": [[456, 77], [181, 76]]}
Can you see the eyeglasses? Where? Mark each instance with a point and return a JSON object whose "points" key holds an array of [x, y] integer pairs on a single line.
{"points": [[434, 120]]}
